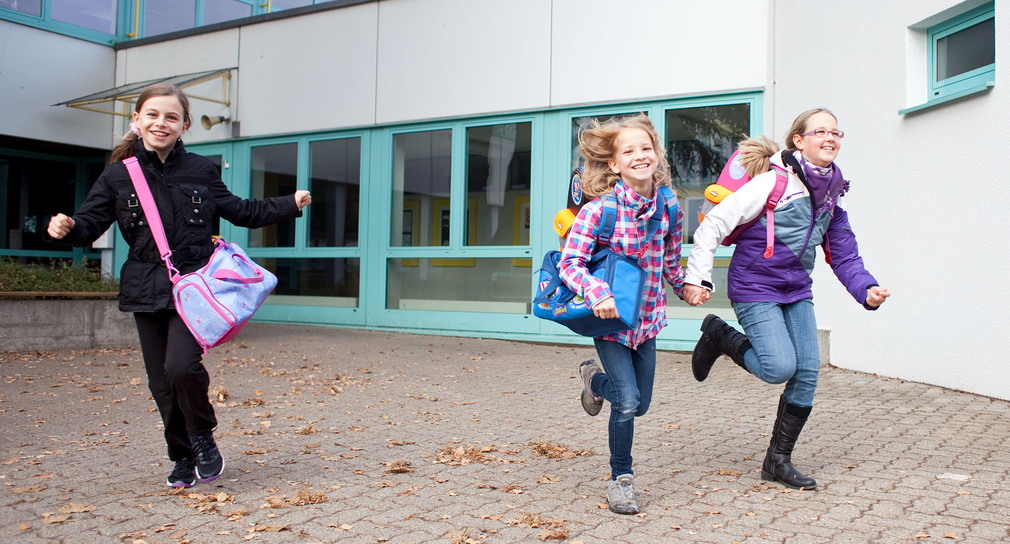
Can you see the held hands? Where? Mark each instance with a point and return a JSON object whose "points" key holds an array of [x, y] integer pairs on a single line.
{"points": [[605, 309], [876, 295], [696, 295], [59, 226], [302, 199]]}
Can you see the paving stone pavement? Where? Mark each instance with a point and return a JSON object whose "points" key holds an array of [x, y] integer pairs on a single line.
{"points": [[337, 435]]}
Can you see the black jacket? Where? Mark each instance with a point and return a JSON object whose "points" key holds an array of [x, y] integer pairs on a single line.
{"points": [[189, 192]]}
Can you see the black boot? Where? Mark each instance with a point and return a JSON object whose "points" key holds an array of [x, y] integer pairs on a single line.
{"points": [[778, 465], [717, 338]]}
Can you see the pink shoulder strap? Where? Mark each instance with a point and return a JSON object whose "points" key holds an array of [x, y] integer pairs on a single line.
{"points": [[153, 217], [781, 180]]}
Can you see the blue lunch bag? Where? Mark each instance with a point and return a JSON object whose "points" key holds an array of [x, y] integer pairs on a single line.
{"points": [[555, 302]]}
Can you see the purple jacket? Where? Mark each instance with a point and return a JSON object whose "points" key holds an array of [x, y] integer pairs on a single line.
{"points": [[802, 222]]}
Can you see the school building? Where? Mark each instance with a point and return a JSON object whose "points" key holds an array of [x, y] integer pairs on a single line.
{"points": [[438, 136]]}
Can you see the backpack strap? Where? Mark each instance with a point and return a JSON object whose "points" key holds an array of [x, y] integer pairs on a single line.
{"points": [[779, 189], [153, 217], [664, 195], [609, 200]]}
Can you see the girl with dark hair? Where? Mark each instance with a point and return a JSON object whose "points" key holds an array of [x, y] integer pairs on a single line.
{"points": [[188, 191]]}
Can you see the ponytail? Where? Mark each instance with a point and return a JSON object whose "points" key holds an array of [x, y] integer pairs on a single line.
{"points": [[755, 154], [125, 149]]}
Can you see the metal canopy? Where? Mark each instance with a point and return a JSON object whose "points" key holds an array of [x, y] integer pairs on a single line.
{"points": [[131, 91]]}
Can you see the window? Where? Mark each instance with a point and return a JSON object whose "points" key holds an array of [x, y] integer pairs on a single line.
{"points": [[699, 141], [219, 12], [421, 181], [334, 180], [273, 173], [498, 184], [28, 7], [962, 53], [93, 14]]}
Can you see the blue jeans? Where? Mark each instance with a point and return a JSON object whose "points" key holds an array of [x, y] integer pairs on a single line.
{"points": [[784, 342], [627, 385]]}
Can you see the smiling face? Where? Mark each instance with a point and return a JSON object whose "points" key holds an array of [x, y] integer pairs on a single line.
{"points": [[161, 120], [635, 160], [819, 151]]}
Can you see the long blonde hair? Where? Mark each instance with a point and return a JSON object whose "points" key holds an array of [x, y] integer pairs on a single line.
{"points": [[598, 145]]}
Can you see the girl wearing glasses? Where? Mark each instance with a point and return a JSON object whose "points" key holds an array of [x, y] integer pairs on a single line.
{"points": [[771, 295]]}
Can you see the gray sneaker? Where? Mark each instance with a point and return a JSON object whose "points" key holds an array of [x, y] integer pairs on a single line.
{"points": [[591, 403], [621, 495]]}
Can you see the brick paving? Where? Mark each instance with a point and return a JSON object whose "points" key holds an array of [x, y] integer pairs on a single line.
{"points": [[336, 435]]}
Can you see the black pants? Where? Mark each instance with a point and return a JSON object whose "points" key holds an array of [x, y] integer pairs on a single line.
{"points": [[176, 377]]}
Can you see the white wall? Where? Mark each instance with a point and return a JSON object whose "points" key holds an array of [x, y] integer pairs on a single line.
{"points": [[928, 195], [606, 51], [39, 69]]}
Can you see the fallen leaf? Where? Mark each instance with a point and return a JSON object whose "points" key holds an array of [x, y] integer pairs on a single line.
{"points": [[548, 479], [921, 535], [76, 509], [951, 536]]}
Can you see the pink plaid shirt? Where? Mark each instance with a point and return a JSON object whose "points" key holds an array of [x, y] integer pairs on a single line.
{"points": [[659, 257]]}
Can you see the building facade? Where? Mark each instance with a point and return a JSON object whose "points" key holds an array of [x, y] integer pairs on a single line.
{"points": [[438, 137]]}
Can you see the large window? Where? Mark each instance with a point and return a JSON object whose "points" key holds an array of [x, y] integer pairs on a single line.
{"points": [[464, 226], [498, 184], [699, 141], [962, 52], [335, 184], [97, 15], [33, 189], [421, 213], [274, 173]]}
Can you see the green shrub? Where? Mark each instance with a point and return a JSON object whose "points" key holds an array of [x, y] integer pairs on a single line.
{"points": [[56, 275]]}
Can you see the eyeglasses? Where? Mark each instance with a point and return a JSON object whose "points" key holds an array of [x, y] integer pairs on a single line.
{"points": [[823, 133]]}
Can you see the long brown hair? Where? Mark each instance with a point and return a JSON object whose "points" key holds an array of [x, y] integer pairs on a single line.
{"points": [[598, 145], [125, 148]]}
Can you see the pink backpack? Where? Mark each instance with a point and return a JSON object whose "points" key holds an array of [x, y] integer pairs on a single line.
{"points": [[734, 176]]}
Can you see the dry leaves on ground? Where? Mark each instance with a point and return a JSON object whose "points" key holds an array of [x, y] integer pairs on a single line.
{"points": [[558, 451], [399, 467]]}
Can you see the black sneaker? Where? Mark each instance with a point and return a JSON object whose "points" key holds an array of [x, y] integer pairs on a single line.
{"points": [[209, 463], [183, 475]]}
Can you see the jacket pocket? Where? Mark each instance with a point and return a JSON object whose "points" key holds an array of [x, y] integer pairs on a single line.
{"points": [[197, 208], [129, 212]]}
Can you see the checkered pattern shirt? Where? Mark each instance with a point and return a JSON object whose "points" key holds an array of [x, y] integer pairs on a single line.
{"points": [[659, 257]]}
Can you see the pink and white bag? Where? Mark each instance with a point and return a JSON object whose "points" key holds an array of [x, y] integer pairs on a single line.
{"points": [[217, 300]]}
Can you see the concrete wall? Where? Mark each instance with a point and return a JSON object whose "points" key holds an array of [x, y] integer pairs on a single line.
{"points": [[38, 69], [27, 325], [928, 196]]}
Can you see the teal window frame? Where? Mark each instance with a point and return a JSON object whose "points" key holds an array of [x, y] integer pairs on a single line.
{"points": [[46, 22], [981, 79], [128, 13]]}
